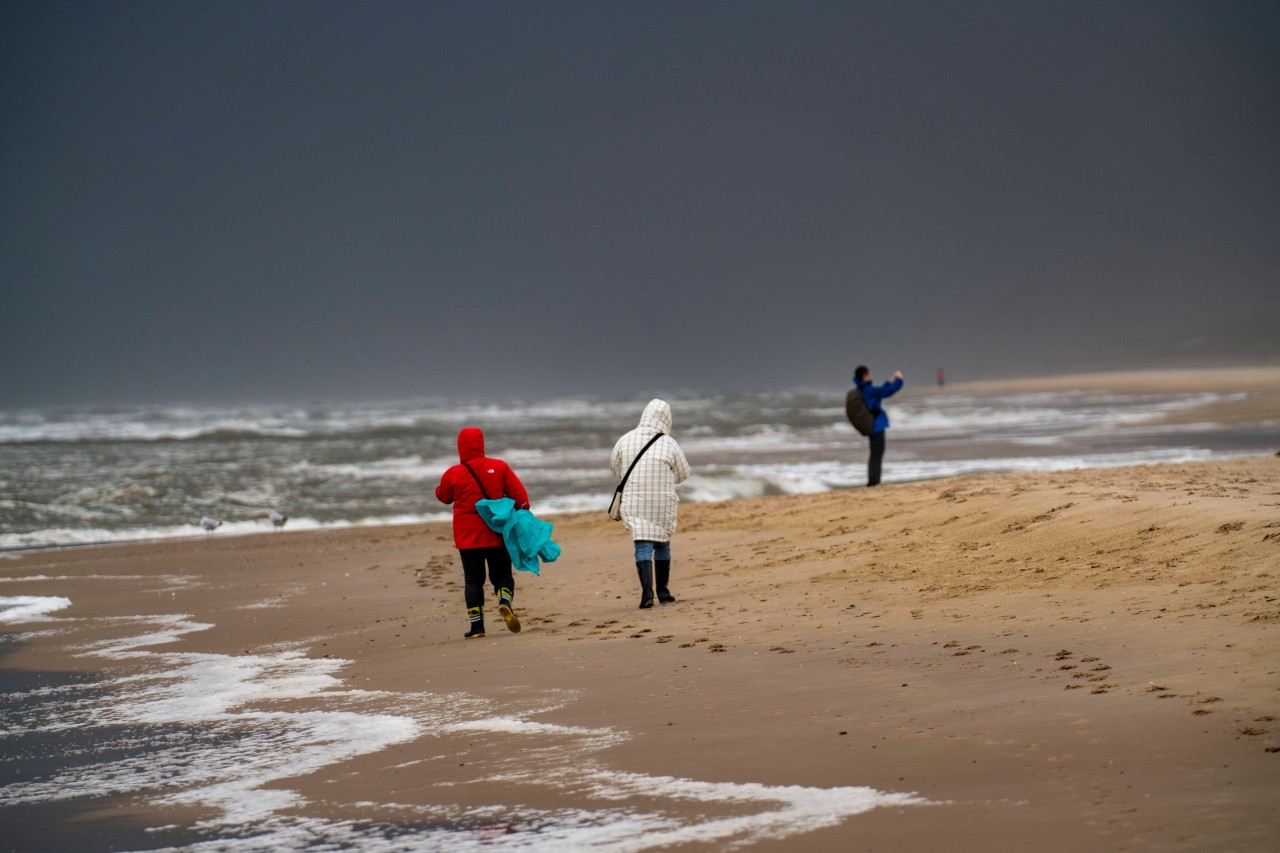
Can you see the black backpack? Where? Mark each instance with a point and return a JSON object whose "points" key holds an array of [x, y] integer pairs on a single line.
{"points": [[859, 415]]}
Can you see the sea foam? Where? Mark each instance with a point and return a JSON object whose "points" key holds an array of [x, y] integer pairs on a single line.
{"points": [[215, 735], [30, 608]]}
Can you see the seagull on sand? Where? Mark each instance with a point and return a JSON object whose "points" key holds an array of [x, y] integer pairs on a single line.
{"points": [[278, 519], [210, 524]]}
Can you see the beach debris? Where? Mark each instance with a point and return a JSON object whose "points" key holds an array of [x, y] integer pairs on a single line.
{"points": [[278, 519], [210, 524]]}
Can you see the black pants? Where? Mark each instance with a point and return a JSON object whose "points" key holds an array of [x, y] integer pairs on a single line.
{"points": [[873, 461], [473, 562]]}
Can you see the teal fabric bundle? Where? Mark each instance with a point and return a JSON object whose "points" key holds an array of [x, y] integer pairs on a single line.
{"points": [[527, 537]]}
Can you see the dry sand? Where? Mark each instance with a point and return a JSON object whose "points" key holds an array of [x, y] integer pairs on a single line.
{"points": [[1084, 660]]}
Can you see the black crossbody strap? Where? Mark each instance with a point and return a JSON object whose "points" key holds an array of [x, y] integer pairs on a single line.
{"points": [[637, 459], [478, 483]]}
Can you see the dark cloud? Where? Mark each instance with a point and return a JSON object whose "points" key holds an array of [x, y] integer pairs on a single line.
{"points": [[319, 199]]}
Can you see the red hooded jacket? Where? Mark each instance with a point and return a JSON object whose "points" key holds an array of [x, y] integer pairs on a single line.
{"points": [[459, 488]]}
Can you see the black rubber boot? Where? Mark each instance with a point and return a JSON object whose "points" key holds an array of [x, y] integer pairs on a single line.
{"points": [[645, 571], [663, 570], [475, 616]]}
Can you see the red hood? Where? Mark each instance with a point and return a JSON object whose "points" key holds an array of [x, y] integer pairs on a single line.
{"points": [[470, 444]]}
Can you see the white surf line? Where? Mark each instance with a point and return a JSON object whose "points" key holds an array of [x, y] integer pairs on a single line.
{"points": [[228, 769], [169, 581], [792, 810], [15, 609], [229, 756], [201, 689]]}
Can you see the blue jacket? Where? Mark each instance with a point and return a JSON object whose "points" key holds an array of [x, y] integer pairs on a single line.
{"points": [[874, 395], [527, 537]]}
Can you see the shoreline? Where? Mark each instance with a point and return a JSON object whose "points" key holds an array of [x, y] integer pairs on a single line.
{"points": [[5, 553], [1248, 405], [1067, 660]]}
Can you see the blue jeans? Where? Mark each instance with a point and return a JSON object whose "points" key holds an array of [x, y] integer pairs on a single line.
{"points": [[647, 550]]}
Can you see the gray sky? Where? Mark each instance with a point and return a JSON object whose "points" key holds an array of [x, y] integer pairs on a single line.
{"points": [[260, 200]]}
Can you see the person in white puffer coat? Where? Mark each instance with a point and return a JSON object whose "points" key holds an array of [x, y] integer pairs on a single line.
{"points": [[649, 500]]}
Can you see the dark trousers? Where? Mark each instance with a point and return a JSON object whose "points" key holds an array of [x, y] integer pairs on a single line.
{"points": [[473, 563], [873, 461]]}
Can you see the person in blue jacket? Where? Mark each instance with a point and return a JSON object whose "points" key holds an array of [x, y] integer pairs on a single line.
{"points": [[874, 396]]}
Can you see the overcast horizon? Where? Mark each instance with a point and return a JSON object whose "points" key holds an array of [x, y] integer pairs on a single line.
{"points": [[241, 201]]}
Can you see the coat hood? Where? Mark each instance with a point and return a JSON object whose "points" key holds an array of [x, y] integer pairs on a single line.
{"points": [[470, 444], [657, 417]]}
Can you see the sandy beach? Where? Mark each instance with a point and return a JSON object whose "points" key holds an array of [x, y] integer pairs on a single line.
{"points": [[1079, 660], [1256, 390]]}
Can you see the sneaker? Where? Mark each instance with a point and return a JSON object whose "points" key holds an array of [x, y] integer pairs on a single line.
{"points": [[509, 616]]}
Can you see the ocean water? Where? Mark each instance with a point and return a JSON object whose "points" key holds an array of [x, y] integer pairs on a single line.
{"points": [[102, 474]]}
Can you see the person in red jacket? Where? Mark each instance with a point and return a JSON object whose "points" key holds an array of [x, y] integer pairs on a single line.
{"points": [[477, 477]]}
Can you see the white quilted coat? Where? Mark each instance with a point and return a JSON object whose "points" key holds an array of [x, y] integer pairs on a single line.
{"points": [[649, 501]]}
